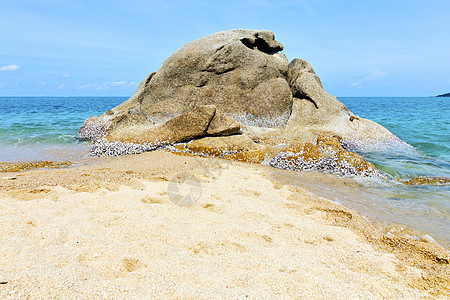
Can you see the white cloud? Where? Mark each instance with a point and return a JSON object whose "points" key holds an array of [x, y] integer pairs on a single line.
{"points": [[9, 68], [85, 86], [123, 84], [65, 75], [372, 76], [7, 85], [61, 86]]}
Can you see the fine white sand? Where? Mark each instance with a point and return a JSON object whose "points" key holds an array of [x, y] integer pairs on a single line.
{"points": [[109, 230]]}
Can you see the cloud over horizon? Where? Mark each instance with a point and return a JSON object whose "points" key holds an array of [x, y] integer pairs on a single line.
{"points": [[9, 68], [123, 84], [372, 76]]}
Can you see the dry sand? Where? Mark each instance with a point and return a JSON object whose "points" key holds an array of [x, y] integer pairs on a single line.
{"points": [[109, 230]]}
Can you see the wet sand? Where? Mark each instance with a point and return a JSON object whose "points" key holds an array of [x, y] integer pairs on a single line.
{"points": [[381, 202], [110, 230]]}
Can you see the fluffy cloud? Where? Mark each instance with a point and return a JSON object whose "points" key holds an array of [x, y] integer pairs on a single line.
{"points": [[123, 84], [65, 75], [9, 68], [373, 75]]}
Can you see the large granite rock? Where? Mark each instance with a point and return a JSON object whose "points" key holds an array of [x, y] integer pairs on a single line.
{"points": [[228, 83]]}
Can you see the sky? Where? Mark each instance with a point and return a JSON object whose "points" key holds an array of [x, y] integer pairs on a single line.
{"points": [[106, 48]]}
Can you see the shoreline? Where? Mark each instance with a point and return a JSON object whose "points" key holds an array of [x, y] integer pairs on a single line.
{"points": [[267, 217], [320, 184], [355, 194]]}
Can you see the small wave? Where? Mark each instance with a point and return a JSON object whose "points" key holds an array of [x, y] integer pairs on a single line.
{"points": [[405, 162], [44, 139], [433, 149]]}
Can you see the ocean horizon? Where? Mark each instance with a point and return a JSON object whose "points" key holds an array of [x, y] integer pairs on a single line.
{"points": [[45, 128]]}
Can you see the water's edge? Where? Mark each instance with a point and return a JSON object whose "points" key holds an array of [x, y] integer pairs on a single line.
{"points": [[356, 194]]}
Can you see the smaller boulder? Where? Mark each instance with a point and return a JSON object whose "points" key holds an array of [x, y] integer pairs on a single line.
{"points": [[223, 125], [190, 125]]}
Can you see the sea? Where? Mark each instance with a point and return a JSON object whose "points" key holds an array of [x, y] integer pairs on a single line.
{"points": [[45, 128]]}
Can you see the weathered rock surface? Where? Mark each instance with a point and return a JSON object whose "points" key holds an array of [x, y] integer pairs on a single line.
{"points": [[327, 155], [235, 147], [235, 82], [238, 71], [316, 111], [201, 121], [185, 127], [223, 125]]}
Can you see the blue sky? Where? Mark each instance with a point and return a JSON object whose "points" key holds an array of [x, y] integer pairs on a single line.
{"points": [[105, 48]]}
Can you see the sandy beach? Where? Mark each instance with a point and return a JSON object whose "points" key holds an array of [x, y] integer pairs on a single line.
{"points": [[109, 230]]}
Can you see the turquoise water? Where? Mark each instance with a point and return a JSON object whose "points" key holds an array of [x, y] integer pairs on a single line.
{"points": [[44, 128], [40, 128], [422, 122]]}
